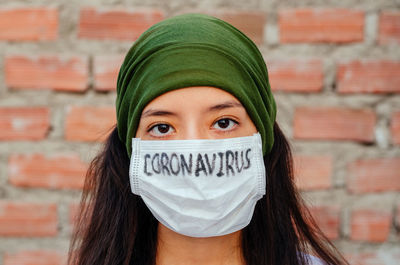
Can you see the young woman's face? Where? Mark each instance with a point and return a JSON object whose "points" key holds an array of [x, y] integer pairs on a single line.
{"points": [[194, 113]]}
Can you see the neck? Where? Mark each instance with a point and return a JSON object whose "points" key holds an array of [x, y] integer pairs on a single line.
{"points": [[177, 249]]}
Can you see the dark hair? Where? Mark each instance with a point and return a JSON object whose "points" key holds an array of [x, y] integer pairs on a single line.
{"points": [[115, 226]]}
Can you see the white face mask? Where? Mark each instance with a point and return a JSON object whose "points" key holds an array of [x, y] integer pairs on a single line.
{"points": [[199, 188]]}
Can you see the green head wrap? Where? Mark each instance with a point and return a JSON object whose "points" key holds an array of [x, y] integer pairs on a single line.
{"points": [[193, 50]]}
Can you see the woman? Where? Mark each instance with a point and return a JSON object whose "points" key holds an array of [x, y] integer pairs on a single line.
{"points": [[197, 170]]}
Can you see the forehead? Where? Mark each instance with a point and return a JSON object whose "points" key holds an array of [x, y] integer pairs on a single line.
{"points": [[191, 97]]}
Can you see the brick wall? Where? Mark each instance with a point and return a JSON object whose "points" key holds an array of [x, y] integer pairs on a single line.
{"points": [[334, 69]]}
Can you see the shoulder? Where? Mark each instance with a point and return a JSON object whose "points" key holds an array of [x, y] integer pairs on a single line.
{"points": [[312, 260]]}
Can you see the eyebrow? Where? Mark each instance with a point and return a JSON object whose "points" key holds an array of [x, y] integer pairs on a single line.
{"points": [[153, 112], [225, 105]]}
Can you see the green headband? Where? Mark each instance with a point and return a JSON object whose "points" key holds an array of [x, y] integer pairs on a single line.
{"points": [[193, 50]]}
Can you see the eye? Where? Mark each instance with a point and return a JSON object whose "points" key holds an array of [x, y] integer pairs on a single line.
{"points": [[225, 124], [161, 129]]}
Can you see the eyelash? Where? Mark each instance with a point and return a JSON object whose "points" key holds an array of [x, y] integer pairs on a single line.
{"points": [[236, 123], [157, 125]]}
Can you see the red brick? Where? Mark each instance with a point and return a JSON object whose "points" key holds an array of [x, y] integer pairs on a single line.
{"points": [[25, 219], [321, 25], [370, 225], [28, 24], [35, 257], [37, 170], [327, 219], [334, 123], [374, 175], [365, 258], [381, 76], [296, 75], [120, 24], [313, 172], [87, 123], [395, 127], [47, 72], [24, 123], [389, 27], [106, 68], [249, 22]]}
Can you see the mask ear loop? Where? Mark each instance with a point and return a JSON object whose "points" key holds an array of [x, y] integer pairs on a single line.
{"points": [[134, 166], [260, 165]]}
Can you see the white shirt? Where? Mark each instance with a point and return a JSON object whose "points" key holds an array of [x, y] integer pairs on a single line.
{"points": [[314, 260]]}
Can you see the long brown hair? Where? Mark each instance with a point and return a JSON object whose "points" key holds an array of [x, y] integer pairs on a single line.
{"points": [[115, 226]]}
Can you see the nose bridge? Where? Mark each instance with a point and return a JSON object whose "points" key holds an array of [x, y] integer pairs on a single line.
{"points": [[193, 128]]}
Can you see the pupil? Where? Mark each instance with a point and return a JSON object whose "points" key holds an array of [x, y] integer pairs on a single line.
{"points": [[163, 128], [223, 123]]}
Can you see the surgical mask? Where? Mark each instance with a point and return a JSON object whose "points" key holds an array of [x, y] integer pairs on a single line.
{"points": [[199, 188]]}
